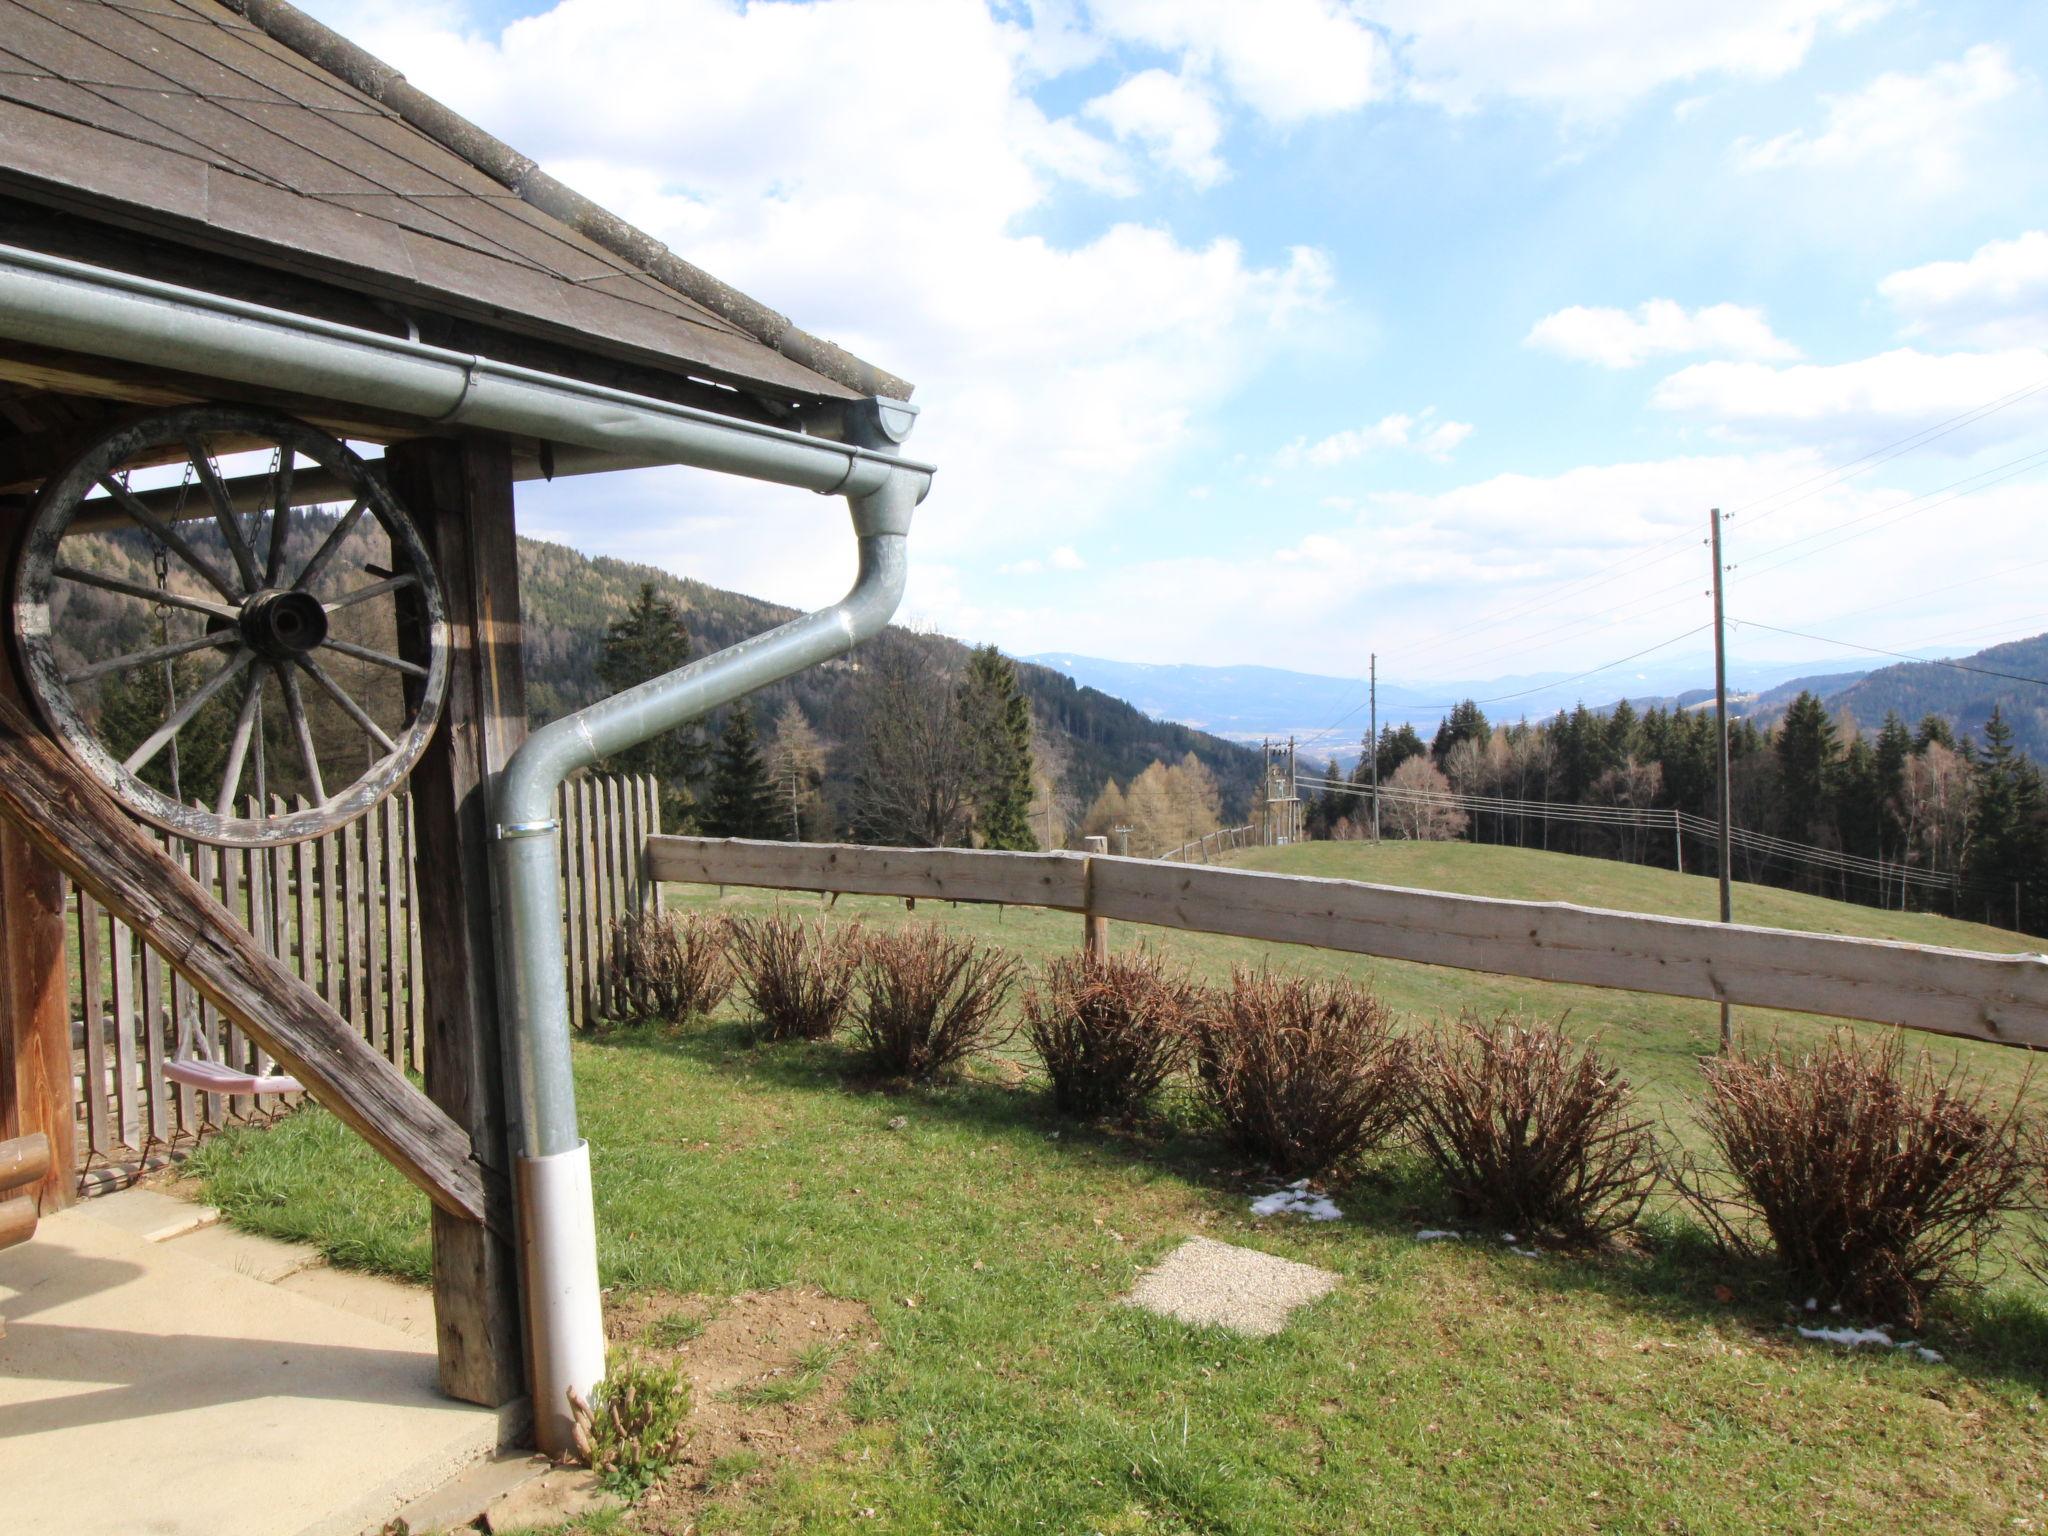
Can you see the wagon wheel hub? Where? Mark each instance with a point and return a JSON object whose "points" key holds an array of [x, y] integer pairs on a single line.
{"points": [[281, 626]]}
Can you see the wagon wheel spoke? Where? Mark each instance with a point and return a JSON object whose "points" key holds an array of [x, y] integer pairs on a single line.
{"points": [[156, 653], [168, 536], [238, 749], [377, 658], [224, 514], [147, 594], [280, 518], [302, 728], [199, 698], [329, 546], [366, 594], [348, 705]]}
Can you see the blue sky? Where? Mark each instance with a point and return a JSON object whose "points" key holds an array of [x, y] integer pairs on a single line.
{"points": [[1280, 332]]}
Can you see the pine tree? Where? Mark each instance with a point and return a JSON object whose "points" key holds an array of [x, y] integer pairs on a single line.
{"points": [[648, 641], [1807, 751], [2006, 836], [739, 801], [995, 727], [1465, 722]]}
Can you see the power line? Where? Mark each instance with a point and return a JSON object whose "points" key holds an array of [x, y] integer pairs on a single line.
{"points": [[1921, 661]]}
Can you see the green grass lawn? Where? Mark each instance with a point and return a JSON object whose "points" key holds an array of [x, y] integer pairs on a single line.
{"points": [[1443, 1387]]}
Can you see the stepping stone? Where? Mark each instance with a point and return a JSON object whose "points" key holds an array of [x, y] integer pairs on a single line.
{"points": [[1220, 1285]]}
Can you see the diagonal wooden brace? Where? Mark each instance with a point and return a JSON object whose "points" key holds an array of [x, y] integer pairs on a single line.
{"points": [[80, 828]]}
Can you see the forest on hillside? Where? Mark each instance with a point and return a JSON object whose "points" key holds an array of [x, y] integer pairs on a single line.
{"points": [[1968, 808]]}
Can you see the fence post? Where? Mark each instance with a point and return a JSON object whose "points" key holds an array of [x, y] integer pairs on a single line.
{"points": [[1094, 930]]}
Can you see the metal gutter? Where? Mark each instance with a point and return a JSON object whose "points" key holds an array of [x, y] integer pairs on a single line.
{"points": [[49, 301]]}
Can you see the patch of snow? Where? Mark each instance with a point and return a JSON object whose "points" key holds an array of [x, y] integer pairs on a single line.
{"points": [[1523, 1253], [1850, 1338], [1295, 1200], [1812, 1304], [1435, 1235], [1931, 1356]]}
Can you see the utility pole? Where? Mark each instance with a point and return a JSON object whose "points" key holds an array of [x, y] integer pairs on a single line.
{"points": [[1721, 731], [1372, 738]]}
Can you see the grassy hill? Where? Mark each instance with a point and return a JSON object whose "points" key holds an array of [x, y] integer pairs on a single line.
{"points": [[1448, 1386]]}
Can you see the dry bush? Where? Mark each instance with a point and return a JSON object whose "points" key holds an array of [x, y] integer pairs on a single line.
{"points": [[1871, 1186], [1109, 1032], [929, 1000], [797, 976], [1531, 1132], [668, 967], [1304, 1075]]}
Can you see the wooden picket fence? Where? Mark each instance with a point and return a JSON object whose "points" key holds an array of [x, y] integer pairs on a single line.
{"points": [[342, 912]]}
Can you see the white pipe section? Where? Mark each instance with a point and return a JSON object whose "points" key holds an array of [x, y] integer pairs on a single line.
{"points": [[564, 1307]]}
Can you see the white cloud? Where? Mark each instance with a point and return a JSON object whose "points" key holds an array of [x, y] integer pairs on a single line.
{"points": [[874, 170], [1998, 296], [1421, 433], [1591, 58], [1288, 60], [1917, 125], [1174, 121], [1615, 338], [1066, 558], [1898, 392]]}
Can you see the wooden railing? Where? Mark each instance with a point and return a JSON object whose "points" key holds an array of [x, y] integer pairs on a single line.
{"points": [[1210, 844], [341, 912], [2001, 998]]}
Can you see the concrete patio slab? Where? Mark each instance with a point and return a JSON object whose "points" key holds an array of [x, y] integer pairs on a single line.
{"points": [[1222, 1285], [146, 1387], [260, 1258], [150, 1216]]}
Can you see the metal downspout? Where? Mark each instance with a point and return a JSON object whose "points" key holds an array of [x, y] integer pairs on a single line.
{"points": [[557, 1236]]}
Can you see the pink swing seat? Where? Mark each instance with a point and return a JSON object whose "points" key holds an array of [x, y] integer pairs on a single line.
{"points": [[218, 1077]]}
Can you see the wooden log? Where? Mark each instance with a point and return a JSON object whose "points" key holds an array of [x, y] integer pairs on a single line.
{"points": [[1094, 928], [35, 994], [23, 1160], [79, 827], [1056, 880], [460, 493], [17, 1220]]}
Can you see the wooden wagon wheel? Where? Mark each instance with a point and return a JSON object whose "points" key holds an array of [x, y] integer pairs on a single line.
{"points": [[337, 618]]}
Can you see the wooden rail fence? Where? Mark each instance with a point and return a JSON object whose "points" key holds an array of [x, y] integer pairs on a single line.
{"points": [[1210, 844], [342, 912], [2000, 998]]}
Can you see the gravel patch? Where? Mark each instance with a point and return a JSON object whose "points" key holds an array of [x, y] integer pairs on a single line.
{"points": [[1221, 1285]]}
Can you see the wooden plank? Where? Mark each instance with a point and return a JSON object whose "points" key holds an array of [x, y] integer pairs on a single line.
{"points": [[303, 908], [93, 1023], [121, 957], [156, 1086], [233, 864], [415, 989], [2003, 998], [79, 826], [1056, 880], [588, 876], [460, 493], [35, 1004], [376, 1019], [391, 889], [1094, 927], [333, 967], [353, 1005], [572, 903]]}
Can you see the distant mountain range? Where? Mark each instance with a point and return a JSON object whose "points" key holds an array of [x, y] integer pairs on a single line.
{"points": [[1248, 703]]}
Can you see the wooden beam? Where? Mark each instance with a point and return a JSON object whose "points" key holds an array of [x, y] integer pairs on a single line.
{"points": [[79, 827], [2000, 998], [460, 494], [35, 1001]]}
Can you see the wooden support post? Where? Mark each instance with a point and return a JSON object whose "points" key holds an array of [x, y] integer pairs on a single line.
{"points": [[35, 1005], [1095, 930], [460, 494]]}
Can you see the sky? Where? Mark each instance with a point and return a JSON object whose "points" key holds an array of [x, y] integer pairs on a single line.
{"points": [[1284, 332]]}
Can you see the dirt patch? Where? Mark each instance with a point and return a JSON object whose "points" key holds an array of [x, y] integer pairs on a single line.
{"points": [[768, 1374]]}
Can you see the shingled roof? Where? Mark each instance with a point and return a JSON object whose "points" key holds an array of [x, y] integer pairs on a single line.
{"points": [[249, 128]]}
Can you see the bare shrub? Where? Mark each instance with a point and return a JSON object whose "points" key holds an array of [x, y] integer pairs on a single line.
{"points": [[668, 967], [796, 976], [1304, 1075], [929, 1000], [1529, 1131], [1870, 1185], [1109, 1032]]}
